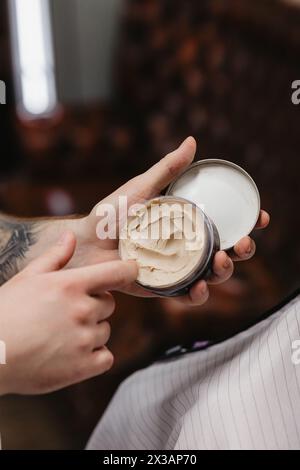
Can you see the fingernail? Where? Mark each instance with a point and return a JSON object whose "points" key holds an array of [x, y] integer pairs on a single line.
{"points": [[226, 264], [249, 249]]}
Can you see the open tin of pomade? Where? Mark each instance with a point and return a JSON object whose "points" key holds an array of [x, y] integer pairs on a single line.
{"points": [[173, 242], [225, 204]]}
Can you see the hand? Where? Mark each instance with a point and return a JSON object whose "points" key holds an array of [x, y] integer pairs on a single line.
{"points": [[54, 321], [145, 186]]}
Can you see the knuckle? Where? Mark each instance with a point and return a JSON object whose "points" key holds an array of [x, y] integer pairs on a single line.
{"points": [[137, 182], [105, 331], [117, 277], [103, 361], [109, 303], [53, 287], [200, 298], [85, 341], [82, 312], [67, 287], [123, 276], [170, 166], [106, 360]]}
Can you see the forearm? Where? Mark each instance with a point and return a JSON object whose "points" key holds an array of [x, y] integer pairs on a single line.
{"points": [[22, 240]]}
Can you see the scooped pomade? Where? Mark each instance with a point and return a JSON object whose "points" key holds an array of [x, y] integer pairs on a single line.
{"points": [[166, 239]]}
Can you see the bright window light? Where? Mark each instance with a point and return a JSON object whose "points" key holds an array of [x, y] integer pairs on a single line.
{"points": [[33, 56]]}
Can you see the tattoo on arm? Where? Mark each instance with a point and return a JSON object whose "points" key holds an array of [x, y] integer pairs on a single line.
{"points": [[16, 237]]}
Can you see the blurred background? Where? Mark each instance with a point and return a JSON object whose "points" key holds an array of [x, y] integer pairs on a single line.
{"points": [[97, 91]]}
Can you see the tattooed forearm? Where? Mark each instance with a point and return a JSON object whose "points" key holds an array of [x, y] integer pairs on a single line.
{"points": [[24, 240], [16, 237]]}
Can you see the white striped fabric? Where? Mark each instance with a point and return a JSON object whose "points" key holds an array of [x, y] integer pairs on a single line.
{"points": [[243, 393]]}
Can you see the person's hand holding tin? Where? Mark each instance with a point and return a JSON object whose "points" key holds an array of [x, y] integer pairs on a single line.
{"points": [[144, 187], [54, 321]]}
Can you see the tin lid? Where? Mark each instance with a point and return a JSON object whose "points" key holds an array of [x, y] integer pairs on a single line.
{"points": [[225, 192]]}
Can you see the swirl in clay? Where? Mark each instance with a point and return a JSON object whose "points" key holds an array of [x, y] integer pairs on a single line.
{"points": [[166, 239]]}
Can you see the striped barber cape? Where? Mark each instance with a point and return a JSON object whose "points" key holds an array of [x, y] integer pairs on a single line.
{"points": [[242, 393]]}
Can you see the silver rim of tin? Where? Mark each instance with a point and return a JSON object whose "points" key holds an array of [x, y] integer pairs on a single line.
{"points": [[224, 162]]}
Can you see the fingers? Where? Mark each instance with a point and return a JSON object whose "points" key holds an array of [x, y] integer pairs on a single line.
{"points": [[197, 295], [56, 257], [243, 250], [105, 276], [153, 181], [95, 363], [222, 268], [102, 335], [263, 220], [102, 307], [106, 307], [100, 361], [164, 172]]}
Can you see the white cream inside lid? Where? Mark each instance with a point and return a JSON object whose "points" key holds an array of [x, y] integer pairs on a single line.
{"points": [[226, 194]]}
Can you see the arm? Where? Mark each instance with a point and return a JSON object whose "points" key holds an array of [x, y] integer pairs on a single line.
{"points": [[16, 238], [54, 321], [22, 240]]}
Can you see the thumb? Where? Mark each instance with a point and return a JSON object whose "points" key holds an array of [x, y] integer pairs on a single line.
{"points": [[56, 257], [148, 184], [167, 169], [153, 181]]}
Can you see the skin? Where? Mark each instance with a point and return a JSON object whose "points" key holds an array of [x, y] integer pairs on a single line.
{"points": [[35, 282], [54, 321], [146, 186], [91, 250]]}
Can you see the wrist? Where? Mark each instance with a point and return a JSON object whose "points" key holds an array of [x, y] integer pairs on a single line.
{"points": [[47, 233]]}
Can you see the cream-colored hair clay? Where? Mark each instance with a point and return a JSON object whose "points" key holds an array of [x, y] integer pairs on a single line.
{"points": [[166, 238], [169, 239]]}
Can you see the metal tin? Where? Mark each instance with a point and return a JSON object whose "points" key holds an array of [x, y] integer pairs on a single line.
{"points": [[211, 198], [232, 215], [203, 267]]}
